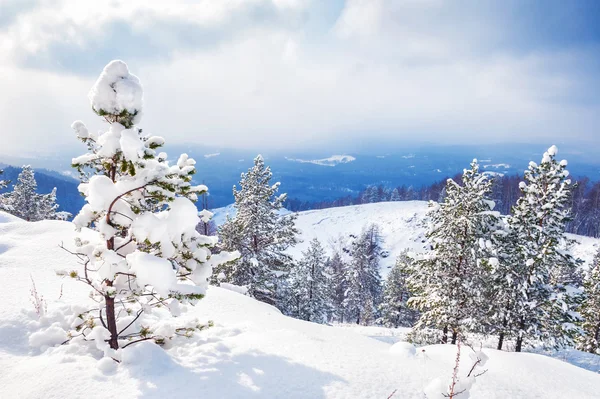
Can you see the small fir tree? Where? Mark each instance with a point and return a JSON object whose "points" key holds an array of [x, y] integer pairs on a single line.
{"points": [[394, 309], [146, 252], [362, 279], [23, 200], [309, 285]]}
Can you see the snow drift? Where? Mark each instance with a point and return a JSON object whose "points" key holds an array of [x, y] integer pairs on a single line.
{"points": [[251, 350]]}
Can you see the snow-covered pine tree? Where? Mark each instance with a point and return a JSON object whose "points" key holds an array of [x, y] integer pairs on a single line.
{"points": [[3, 183], [206, 226], [47, 207], [589, 341], [309, 285], [337, 268], [3, 197], [395, 196], [260, 233], [362, 278], [147, 252], [448, 284], [536, 275], [394, 309], [23, 200]]}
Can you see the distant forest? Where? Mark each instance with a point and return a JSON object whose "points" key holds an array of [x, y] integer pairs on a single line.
{"points": [[585, 202]]}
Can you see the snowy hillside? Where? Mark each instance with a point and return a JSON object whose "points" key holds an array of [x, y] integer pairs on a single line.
{"points": [[251, 351], [401, 225]]}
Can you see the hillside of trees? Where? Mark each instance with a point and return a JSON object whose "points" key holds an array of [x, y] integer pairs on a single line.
{"points": [[585, 202]]}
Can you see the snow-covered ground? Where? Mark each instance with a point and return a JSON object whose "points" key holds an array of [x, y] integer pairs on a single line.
{"points": [[251, 351]]}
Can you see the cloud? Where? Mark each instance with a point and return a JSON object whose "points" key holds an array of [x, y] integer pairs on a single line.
{"points": [[287, 73]]}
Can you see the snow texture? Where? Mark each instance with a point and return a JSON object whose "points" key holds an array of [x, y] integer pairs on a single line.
{"points": [[252, 351]]}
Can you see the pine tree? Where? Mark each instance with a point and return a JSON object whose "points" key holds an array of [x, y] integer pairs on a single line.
{"points": [[3, 183], [47, 207], [309, 285], [536, 274], [23, 200], [395, 196], [394, 308], [362, 279], [337, 268], [448, 284], [260, 233], [590, 309], [146, 252], [4, 197]]}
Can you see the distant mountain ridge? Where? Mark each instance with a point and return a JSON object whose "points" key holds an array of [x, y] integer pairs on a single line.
{"points": [[314, 176]]}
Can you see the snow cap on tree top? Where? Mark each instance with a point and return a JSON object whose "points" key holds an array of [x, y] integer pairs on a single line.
{"points": [[552, 151], [117, 93]]}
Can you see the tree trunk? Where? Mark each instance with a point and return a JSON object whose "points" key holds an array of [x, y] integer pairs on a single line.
{"points": [[501, 336], [454, 337], [445, 335], [500, 341], [111, 322], [519, 344]]}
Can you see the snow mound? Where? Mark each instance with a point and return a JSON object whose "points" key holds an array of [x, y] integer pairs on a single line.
{"points": [[403, 349], [331, 161], [7, 218], [116, 90]]}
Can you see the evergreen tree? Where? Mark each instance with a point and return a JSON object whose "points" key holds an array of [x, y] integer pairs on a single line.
{"points": [[23, 200], [3, 183], [394, 308], [146, 252], [260, 233], [590, 309], [309, 285], [395, 196], [47, 207], [535, 274], [362, 279], [337, 269], [448, 283], [4, 197]]}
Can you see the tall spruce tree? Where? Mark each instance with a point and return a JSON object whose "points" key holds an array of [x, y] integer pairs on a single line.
{"points": [[589, 341], [536, 275], [362, 278], [448, 284], [146, 252], [394, 309], [260, 233], [309, 285]]}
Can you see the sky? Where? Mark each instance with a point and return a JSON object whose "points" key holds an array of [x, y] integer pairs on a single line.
{"points": [[295, 74]]}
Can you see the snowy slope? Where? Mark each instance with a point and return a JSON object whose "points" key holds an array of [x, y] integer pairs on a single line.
{"points": [[252, 351], [401, 225]]}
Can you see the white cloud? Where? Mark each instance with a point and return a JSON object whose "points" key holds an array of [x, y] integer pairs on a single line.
{"points": [[274, 73]]}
